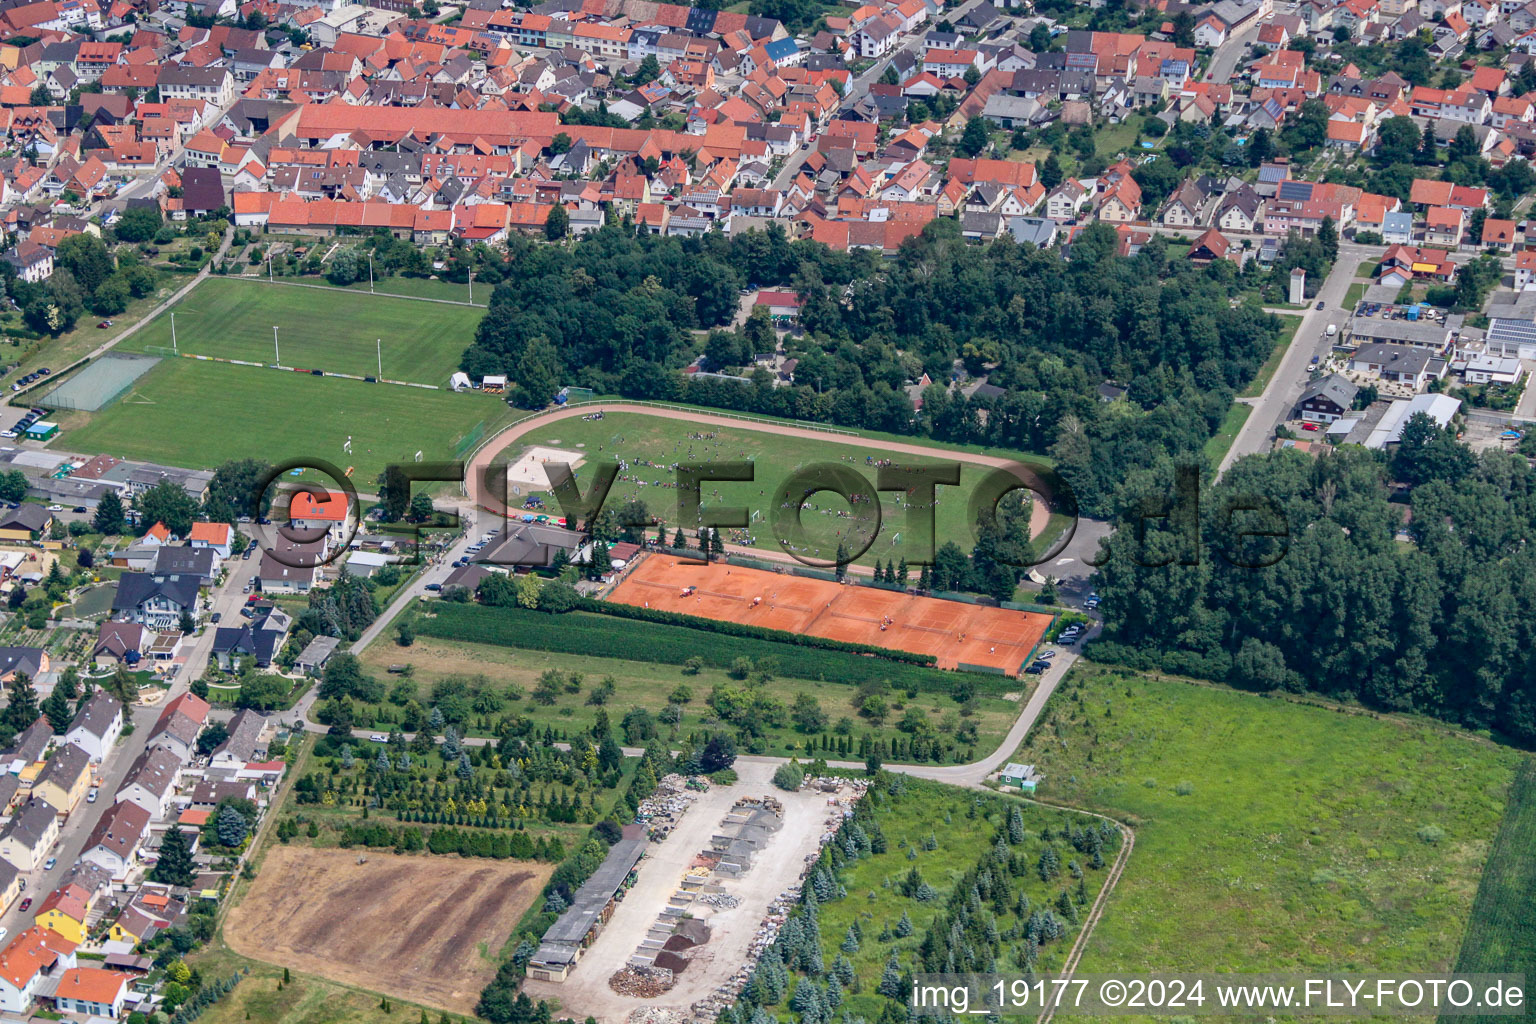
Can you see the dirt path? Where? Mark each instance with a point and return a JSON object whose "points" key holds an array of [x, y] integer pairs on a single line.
{"points": [[485, 455]]}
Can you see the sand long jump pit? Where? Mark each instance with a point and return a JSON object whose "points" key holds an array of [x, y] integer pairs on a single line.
{"points": [[957, 634], [410, 926], [528, 470]]}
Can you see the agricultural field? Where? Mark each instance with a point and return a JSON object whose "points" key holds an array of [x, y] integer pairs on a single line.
{"points": [[198, 414], [424, 928], [636, 684], [318, 328], [1356, 844], [649, 447], [936, 838], [1501, 935]]}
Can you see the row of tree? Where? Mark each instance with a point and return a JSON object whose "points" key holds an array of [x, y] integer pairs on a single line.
{"points": [[617, 312], [1301, 574]]}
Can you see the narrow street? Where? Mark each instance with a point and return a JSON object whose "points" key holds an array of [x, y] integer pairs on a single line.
{"points": [[1272, 407]]}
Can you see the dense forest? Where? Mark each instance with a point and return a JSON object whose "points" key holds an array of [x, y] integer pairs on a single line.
{"points": [[624, 314], [1413, 606]]}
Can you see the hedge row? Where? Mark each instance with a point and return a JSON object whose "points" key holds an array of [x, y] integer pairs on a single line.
{"points": [[608, 636], [631, 611]]}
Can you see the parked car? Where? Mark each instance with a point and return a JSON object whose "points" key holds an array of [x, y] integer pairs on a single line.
{"points": [[104, 325], [1046, 656], [379, 737], [434, 586], [48, 865], [79, 509], [1319, 305], [1310, 426], [55, 508], [249, 550], [216, 616], [26, 904], [90, 797]]}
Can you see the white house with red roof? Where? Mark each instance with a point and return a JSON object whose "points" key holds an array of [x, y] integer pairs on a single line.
{"points": [[321, 510], [217, 536], [31, 957]]}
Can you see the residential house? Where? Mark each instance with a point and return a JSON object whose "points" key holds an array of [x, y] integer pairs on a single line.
{"points": [[35, 955], [259, 638], [30, 661], [27, 837], [155, 601], [97, 725], [201, 564], [25, 522], [114, 842], [1327, 400], [120, 643], [64, 780], [92, 991], [1398, 364], [151, 781], [179, 724], [246, 741], [28, 750]]}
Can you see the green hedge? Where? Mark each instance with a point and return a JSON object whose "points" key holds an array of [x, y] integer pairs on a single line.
{"points": [[631, 611], [609, 636]]}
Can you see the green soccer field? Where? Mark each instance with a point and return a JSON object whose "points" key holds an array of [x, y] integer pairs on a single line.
{"points": [[198, 414], [329, 329], [651, 445]]}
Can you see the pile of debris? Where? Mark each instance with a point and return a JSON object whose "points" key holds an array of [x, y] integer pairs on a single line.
{"points": [[724, 900], [644, 982], [657, 1015], [662, 809]]}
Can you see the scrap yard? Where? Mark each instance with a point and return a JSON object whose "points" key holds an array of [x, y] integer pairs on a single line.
{"points": [[719, 869]]}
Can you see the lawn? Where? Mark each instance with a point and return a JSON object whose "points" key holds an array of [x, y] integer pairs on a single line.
{"points": [[417, 288], [198, 414], [652, 446], [648, 685], [328, 329], [1283, 341], [1501, 936], [1216, 448], [1353, 295], [1272, 835], [1367, 268]]}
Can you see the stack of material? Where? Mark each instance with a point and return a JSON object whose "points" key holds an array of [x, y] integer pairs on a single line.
{"points": [[724, 900], [657, 1015], [643, 982], [662, 809]]}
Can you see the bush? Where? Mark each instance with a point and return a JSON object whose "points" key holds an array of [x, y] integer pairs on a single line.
{"points": [[789, 775]]}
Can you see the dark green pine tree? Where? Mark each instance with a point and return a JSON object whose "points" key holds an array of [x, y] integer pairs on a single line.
{"points": [[175, 864]]}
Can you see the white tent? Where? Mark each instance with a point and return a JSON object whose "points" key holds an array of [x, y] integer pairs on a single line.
{"points": [[459, 381]]}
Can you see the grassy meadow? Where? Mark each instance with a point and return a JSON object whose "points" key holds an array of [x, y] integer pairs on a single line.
{"points": [[648, 685], [1272, 835]]}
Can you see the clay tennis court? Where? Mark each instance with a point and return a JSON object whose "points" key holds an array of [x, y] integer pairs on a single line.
{"points": [[992, 637]]}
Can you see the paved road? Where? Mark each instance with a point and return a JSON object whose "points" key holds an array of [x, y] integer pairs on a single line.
{"points": [[1274, 406], [1227, 56]]}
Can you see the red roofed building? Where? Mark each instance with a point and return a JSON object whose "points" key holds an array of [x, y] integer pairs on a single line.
{"points": [[29, 958], [92, 991]]}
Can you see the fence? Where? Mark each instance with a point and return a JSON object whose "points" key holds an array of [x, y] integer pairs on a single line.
{"points": [[99, 384]]}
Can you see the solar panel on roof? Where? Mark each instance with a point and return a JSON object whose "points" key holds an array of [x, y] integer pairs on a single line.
{"points": [[1301, 190], [1517, 331]]}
